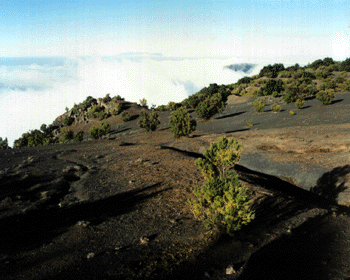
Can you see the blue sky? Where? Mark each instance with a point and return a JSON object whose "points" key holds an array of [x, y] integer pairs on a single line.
{"points": [[257, 28]]}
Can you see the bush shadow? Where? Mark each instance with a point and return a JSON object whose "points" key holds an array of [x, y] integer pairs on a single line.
{"points": [[23, 232], [332, 183], [230, 115], [336, 101]]}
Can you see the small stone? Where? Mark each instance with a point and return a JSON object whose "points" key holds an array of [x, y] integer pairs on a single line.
{"points": [[206, 274], [83, 223], [90, 255], [144, 240], [139, 160], [230, 270], [131, 181]]}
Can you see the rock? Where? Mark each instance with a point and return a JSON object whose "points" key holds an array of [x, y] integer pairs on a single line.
{"points": [[83, 223], [139, 160], [144, 240], [90, 255], [230, 270]]}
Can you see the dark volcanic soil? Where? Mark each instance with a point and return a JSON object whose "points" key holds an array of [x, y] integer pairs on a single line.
{"points": [[116, 209]]}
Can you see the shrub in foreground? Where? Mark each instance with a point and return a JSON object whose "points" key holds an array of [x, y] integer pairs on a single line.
{"points": [[325, 96], [222, 203], [219, 158], [149, 121], [182, 123], [97, 132]]}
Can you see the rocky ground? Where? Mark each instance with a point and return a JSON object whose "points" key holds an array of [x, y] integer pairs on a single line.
{"points": [[116, 208]]}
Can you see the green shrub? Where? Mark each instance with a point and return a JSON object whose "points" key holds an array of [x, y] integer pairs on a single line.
{"points": [[341, 77], [345, 65], [149, 121], [143, 102], [325, 96], [223, 204], [276, 108], [299, 103], [116, 108], [285, 74], [98, 112], [119, 98], [291, 113], [244, 80], [271, 71], [162, 108], [275, 94], [181, 123], [210, 106], [172, 106], [4, 144], [126, 116], [271, 86], [97, 132], [107, 98], [259, 104], [222, 155], [67, 134], [79, 136], [68, 121], [345, 85]]}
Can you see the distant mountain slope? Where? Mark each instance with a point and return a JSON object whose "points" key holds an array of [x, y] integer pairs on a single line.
{"points": [[244, 67]]}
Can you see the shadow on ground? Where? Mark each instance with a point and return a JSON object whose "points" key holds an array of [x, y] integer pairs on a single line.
{"points": [[27, 231]]}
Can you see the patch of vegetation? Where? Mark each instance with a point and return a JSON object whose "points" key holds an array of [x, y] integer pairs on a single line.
{"points": [[271, 71], [345, 65], [116, 108], [68, 121], [149, 121], [107, 98], [325, 96], [79, 136], [270, 87], [84, 105], [67, 134], [299, 103], [97, 132], [259, 104], [244, 80], [182, 123], [211, 106], [32, 138], [222, 202], [143, 102], [275, 108], [98, 112], [319, 63], [126, 116], [4, 144]]}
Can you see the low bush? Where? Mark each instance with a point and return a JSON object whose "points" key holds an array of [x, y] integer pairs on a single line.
{"points": [[79, 136], [325, 96], [107, 98], [149, 121], [210, 106], [222, 202], [271, 71], [345, 65], [276, 108], [4, 144], [143, 102], [67, 134], [98, 112], [259, 104], [68, 121], [219, 158], [97, 132], [172, 106], [345, 85], [126, 116], [291, 113], [299, 103], [116, 108], [182, 123], [341, 77]]}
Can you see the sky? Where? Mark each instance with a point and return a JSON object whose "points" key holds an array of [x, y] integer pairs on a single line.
{"points": [[182, 28]]}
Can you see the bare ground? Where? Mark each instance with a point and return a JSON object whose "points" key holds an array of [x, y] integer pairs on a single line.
{"points": [[116, 209]]}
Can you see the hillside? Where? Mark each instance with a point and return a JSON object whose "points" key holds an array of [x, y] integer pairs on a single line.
{"points": [[116, 208]]}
